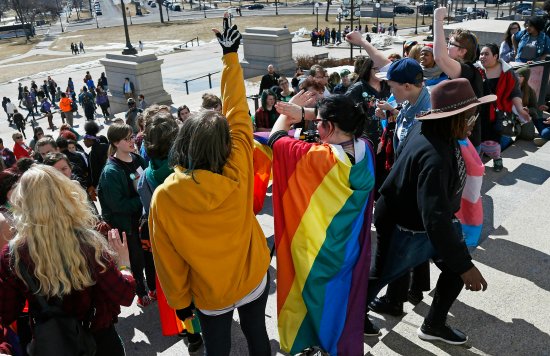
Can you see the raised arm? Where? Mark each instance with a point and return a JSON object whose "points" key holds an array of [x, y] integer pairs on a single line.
{"points": [[378, 58], [448, 65]]}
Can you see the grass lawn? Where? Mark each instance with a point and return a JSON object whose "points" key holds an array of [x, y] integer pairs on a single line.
{"points": [[184, 30], [16, 46]]}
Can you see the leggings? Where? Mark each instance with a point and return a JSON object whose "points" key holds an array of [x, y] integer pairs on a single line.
{"points": [[216, 330], [108, 343]]}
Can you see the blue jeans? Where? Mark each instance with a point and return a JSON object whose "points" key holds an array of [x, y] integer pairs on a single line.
{"points": [[542, 128], [404, 250]]}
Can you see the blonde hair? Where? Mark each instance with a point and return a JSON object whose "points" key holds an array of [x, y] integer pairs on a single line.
{"points": [[414, 53], [55, 223]]}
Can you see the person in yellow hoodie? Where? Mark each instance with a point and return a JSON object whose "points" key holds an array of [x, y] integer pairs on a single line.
{"points": [[210, 253]]}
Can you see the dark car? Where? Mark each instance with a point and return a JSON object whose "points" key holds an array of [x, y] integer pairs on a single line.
{"points": [[175, 7], [255, 7], [522, 7], [400, 9], [426, 9]]}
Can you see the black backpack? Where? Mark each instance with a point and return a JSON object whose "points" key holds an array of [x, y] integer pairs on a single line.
{"points": [[56, 332]]}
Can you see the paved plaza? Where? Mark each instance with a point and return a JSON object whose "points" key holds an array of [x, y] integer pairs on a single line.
{"points": [[511, 318]]}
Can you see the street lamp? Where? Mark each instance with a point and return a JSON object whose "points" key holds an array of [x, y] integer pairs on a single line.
{"points": [[59, 12], [317, 11], [129, 49], [450, 3], [340, 20], [377, 5], [416, 21], [313, 7], [498, 6], [423, 11], [475, 9], [276, 8]]}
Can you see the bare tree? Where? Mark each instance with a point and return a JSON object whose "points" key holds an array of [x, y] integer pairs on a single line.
{"points": [[28, 11], [328, 7]]}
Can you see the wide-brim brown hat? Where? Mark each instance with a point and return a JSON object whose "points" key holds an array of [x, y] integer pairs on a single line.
{"points": [[451, 97]]}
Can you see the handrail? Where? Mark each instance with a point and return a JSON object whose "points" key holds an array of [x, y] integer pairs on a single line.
{"points": [[191, 40], [209, 75]]}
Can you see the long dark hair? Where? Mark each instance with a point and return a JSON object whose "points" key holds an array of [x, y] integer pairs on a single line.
{"points": [[508, 35], [362, 67], [448, 128], [341, 111]]}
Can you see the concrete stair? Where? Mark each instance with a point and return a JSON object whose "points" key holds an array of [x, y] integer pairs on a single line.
{"points": [[511, 317]]}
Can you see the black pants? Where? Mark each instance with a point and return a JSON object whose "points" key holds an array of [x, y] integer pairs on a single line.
{"points": [[216, 330], [418, 279], [21, 128], [108, 343], [140, 260], [449, 285]]}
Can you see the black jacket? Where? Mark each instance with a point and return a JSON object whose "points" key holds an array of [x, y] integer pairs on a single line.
{"points": [[423, 191], [98, 158]]}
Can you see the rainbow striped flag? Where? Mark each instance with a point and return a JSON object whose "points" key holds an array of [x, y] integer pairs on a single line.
{"points": [[261, 160], [471, 207], [322, 210]]}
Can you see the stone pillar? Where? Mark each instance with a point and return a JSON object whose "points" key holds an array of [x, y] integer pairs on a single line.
{"points": [[143, 70], [263, 46]]}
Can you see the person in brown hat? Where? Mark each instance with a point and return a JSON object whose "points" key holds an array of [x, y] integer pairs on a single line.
{"points": [[415, 214]]}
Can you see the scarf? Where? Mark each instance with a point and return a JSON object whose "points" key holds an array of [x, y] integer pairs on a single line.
{"points": [[431, 73]]}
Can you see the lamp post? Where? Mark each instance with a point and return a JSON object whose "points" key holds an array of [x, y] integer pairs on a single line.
{"points": [[340, 20], [276, 8], [416, 21], [498, 6], [130, 14], [129, 49], [450, 4], [423, 11], [60, 12], [377, 5], [350, 4], [313, 7], [317, 11], [475, 9]]}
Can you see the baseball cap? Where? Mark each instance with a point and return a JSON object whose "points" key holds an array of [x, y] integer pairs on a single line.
{"points": [[131, 101], [403, 71], [344, 72]]}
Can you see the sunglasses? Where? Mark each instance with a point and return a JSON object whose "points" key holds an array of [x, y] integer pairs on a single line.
{"points": [[470, 121], [453, 44]]}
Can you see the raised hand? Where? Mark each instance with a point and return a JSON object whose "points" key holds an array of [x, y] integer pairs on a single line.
{"points": [[230, 39]]}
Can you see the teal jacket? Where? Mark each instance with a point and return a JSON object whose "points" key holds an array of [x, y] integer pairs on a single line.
{"points": [[120, 203]]}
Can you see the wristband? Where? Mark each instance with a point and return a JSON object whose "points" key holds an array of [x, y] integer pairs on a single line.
{"points": [[124, 268], [303, 114]]}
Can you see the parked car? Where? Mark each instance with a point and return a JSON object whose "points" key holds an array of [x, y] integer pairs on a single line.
{"points": [[522, 7], [426, 9], [175, 7], [400, 9], [255, 7], [153, 5], [537, 12], [98, 13]]}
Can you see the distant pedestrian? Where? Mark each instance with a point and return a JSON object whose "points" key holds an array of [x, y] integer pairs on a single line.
{"points": [[103, 101], [20, 92], [66, 106], [81, 45], [142, 104], [19, 122], [128, 89], [102, 82], [10, 110], [86, 100], [140, 46]]}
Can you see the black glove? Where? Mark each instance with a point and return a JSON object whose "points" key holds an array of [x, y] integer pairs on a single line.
{"points": [[230, 39], [185, 313]]}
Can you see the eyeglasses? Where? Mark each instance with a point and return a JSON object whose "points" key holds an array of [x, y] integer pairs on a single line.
{"points": [[453, 44], [472, 119], [18, 137]]}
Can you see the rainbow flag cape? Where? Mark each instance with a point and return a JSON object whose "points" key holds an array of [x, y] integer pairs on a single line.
{"points": [[261, 161], [322, 210], [471, 207]]}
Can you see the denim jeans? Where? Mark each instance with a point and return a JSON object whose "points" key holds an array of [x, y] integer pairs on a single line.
{"points": [[406, 249], [542, 128]]}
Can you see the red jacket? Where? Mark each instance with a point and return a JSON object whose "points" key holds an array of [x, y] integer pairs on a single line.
{"points": [[21, 150]]}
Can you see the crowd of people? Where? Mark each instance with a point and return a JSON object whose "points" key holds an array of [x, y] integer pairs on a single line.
{"points": [[326, 36], [394, 141]]}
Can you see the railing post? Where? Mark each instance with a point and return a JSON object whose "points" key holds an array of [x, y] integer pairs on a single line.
{"points": [[210, 80], [187, 86], [544, 82], [197, 41]]}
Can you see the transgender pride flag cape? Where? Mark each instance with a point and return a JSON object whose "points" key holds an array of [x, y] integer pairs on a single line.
{"points": [[322, 211], [471, 207]]}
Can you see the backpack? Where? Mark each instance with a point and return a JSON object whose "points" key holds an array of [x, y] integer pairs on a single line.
{"points": [[55, 332]]}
